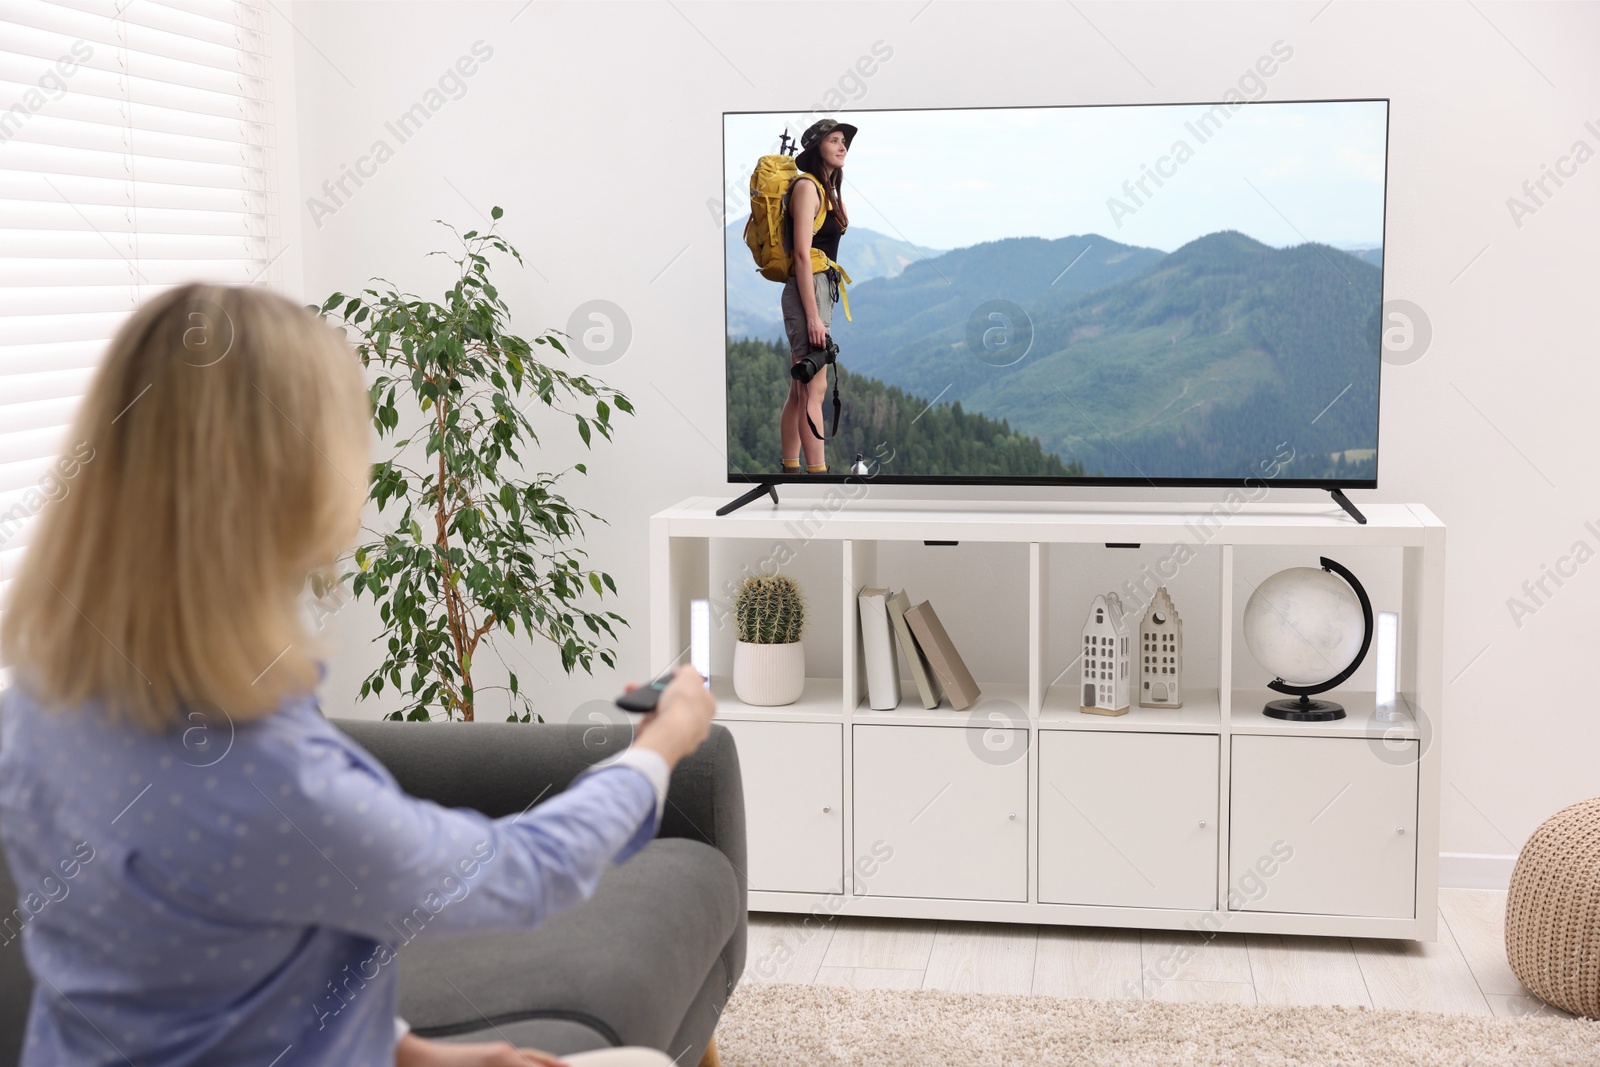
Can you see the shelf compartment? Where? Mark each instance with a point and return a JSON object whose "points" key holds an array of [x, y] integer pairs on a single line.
{"points": [[912, 713], [814, 567], [946, 823], [1103, 843], [1321, 827], [793, 775], [1360, 719], [821, 701], [1201, 713], [994, 642], [1071, 576], [1378, 568]]}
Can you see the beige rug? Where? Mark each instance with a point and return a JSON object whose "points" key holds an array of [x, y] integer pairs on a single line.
{"points": [[773, 1025]]}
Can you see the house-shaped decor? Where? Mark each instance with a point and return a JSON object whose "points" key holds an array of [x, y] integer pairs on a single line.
{"points": [[1105, 658], [1161, 654]]}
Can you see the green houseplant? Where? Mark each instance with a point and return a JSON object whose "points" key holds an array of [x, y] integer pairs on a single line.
{"points": [[769, 662], [476, 547]]}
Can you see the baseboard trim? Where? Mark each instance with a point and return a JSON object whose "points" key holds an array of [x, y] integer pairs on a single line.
{"points": [[1475, 870]]}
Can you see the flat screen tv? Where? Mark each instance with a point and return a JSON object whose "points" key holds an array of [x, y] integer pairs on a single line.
{"points": [[1154, 294]]}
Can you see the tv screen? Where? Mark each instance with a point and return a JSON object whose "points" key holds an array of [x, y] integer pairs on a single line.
{"points": [[1162, 294]]}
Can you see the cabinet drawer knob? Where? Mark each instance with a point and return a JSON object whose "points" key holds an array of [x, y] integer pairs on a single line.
{"points": [[826, 808], [1013, 815], [1399, 829], [1202, 824]]}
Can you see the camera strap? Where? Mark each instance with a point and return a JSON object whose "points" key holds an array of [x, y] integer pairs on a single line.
{"points": [[815, 431]]}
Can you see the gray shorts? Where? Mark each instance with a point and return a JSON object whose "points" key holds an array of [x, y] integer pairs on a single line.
{"points": [[794, 312]]}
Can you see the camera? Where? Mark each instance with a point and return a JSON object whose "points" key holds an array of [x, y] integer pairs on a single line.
{"points": [[805, 369]]}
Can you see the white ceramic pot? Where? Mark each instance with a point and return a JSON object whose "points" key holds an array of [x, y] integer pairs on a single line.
{"points": [[769, 675]]}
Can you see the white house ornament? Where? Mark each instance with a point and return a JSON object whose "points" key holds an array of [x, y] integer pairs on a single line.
{"points": [[1105, 658], [1161, 654]]}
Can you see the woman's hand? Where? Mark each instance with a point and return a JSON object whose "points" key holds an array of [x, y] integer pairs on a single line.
{"points": [[817, 331], [413, 1051], [682, 719]]}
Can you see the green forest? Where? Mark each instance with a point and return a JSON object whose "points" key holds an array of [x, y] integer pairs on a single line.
{"points": [[1195, 364], [878, 421]]}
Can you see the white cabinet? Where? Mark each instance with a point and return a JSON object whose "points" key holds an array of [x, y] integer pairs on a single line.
{"points": [[1323, 825], [1128, 819], [950, 814], [793, 775], [1210, 816]]}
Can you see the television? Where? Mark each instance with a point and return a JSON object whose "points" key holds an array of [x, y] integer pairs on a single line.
{"points": [[1179, 294]]}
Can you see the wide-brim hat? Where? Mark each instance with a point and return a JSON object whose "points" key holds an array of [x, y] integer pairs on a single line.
{"points": [[821, 128]]}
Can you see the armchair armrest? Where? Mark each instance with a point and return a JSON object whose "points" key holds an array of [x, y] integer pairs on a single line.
{"points": [[501, 768]]}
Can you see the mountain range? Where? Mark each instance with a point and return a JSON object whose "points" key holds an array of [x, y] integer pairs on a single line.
{"points": [[1135, 363]]}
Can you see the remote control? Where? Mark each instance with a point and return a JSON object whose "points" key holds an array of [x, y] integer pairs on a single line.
{"points": [[642, 699]]}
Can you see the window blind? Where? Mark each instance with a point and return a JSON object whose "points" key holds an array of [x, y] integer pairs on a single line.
{"points": [[135, 154]]}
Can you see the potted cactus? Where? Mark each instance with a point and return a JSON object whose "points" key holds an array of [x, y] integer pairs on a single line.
{"points": [[769, 662]]}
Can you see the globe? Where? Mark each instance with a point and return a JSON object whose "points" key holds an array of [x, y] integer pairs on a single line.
{"points": [[1304, 625]]}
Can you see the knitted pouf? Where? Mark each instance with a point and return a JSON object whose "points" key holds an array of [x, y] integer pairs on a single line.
{"points": [[1553, 911]]}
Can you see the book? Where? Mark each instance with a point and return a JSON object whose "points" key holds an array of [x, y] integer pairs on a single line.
{"points": [[877, 647], [921, 673], [946, 661]]}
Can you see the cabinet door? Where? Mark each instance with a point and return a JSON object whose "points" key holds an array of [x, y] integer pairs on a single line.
{"points": [[793, 803], [944, 820], [1128, 820], [1322, 825]]}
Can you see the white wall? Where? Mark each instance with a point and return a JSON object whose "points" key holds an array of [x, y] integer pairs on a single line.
{"points": [[597, 127]]}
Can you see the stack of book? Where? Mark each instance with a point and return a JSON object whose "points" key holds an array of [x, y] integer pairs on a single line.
{"points": [[887, 620]]}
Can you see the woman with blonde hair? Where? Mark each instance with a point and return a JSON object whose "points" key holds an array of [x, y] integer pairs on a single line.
{"points": [[222, 456]]}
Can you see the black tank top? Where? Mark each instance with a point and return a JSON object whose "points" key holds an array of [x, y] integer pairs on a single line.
{"points": [[827, 238]]}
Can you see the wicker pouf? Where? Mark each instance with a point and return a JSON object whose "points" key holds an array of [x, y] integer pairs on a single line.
{"points": [[1553, 911]]}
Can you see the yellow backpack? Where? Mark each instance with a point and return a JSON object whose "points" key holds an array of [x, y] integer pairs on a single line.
{"points": [[767, 233]]}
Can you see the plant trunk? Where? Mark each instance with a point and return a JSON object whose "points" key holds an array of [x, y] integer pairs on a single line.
{"points": [[455, 609]]}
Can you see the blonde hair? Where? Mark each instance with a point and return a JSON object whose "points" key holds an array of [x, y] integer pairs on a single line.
{"points": [[220, 458]]}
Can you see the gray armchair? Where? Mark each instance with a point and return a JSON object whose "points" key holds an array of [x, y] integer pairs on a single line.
{"points": [[650, 960]]}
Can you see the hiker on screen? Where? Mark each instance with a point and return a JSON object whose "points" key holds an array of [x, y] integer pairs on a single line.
{"points": [[819, 219]]}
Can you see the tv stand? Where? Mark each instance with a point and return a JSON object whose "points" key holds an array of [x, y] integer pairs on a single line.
{"points": [[1338, 498], [1023, 809], [765, 487]]}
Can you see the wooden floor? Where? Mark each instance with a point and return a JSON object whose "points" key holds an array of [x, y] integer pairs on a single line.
{"points": [[1464, 971]]}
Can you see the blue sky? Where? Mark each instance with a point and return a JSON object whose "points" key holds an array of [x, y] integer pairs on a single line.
{"points": [[1282, 173]]}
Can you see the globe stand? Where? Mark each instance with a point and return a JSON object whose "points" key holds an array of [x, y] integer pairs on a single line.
{"points": [[1304, 710]]}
